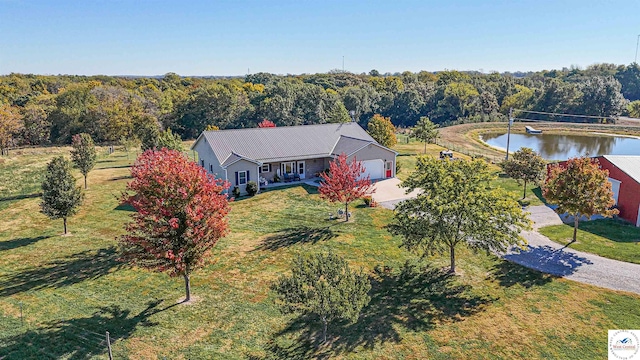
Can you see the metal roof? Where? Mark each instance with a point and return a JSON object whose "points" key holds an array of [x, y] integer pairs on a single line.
{"points": [[284, 143], [349, 145], [630, 164]]}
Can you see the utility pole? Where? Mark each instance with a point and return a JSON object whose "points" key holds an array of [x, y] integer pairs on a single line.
{"points": [[509, 130], [637, 42], [342, 63]]}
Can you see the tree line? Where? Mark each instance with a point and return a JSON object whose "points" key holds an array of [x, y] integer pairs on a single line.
{"points": [[39, 109]]}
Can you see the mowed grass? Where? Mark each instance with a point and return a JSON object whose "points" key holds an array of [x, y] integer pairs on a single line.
{"points": [[408, 153], [610, 238], [72, 289]]}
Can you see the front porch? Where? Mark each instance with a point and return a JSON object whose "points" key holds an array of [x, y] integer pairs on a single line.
{"points": [[314, 181]]}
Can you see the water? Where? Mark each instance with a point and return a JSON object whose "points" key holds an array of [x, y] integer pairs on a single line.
{"points": [[562, 147]]}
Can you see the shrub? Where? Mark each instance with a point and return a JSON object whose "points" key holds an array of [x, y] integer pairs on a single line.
{"points": [[367, 200], [252, 188], [276, 178], [235, 191]]}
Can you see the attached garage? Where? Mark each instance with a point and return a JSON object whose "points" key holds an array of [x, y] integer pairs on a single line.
{"points": [[373, 168]]}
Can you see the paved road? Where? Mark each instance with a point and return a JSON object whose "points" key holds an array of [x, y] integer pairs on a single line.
{"points": [[547, 256]]}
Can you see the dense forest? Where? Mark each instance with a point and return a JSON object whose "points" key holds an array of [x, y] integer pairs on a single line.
{"points": [[38, 109]]}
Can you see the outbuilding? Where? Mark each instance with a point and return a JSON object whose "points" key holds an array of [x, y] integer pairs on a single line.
{"points": [[624, 175]]}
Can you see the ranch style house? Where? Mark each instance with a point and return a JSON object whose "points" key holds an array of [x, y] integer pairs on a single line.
{"points": [[289, 152]]}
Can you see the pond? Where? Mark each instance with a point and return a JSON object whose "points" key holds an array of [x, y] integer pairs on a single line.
{"points": [[562, 147]]}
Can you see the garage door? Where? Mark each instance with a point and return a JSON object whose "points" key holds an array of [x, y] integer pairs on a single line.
{"points": [[373, 168]]}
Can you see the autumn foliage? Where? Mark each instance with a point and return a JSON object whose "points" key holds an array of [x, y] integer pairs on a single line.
{"points": [[343, 183], [579, 188], [266, 124], [180, 214]]}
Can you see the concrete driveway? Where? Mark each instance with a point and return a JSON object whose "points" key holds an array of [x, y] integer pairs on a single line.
{"points": [[389, 192]]}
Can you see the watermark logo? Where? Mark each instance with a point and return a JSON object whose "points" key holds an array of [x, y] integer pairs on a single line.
{"points": [[624, 345]]}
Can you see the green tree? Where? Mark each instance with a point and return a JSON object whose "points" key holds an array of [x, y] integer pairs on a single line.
{"points": [[169, 140], [457, 206], [83, 154], [382, 130], [634, 109], [579, 188], [601, 96], [60, 195], [525, 165], [323, 286], [426, 131], [128, 143]]}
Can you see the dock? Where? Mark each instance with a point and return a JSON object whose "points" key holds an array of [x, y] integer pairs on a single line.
{"points": [[531, 130]]}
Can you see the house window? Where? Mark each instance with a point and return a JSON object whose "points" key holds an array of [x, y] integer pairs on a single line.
{"points": [[211, 167], [242, 177], [202, 163], [265, 168]]}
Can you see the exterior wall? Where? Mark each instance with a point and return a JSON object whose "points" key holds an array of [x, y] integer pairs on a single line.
{"points": [[629, 194], [210, 161], [373, 152], [242, 165]]}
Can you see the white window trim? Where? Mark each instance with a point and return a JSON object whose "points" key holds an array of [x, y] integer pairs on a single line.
{"points": [[240, 178]]}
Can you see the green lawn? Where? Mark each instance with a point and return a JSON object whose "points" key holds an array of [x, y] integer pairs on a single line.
{"points": [[609, 238], [408, 153], [72, 289]]}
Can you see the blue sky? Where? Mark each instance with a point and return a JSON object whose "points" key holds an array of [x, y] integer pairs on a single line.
{"points": [[153, 37]]}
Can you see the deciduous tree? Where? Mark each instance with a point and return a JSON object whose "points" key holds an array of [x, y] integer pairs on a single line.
{"points": [[10, 126], [525, 165], [579, 188], [83, 154], [382, 130], [426, 131], [169, 140], [343, 183], [456, 206], [323, 286], [266, 124], [60, 195], [181, 213]]}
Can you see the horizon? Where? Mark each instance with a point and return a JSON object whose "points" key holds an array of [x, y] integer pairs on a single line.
{"points": [[226, 38]]}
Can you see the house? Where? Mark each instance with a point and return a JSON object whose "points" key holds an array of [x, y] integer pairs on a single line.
{"points": [[243, 155], [624, 175]]}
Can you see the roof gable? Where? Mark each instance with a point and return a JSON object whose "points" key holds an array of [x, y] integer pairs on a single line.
{"points": [[284, 143]]}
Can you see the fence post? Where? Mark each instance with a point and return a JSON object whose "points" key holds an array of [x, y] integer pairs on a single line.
{"points": [[109, 347]]}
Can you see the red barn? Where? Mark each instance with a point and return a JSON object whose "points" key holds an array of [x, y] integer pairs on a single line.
{"points": [[624, 175]]}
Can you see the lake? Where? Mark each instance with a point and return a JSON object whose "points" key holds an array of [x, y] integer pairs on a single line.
{"points": [[562, 147]]}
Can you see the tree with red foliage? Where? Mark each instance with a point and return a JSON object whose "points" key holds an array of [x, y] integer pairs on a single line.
{"points": [[180, 214], [579, 188], [343, 183], [266, 124]]}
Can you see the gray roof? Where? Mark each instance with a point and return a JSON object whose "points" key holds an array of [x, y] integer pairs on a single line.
{"points": [[630, 164], [349, 145], [286, 143]]}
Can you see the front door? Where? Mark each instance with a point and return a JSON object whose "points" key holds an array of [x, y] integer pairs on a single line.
{"points": [[288, 167], [387, 169], [301, 169]]}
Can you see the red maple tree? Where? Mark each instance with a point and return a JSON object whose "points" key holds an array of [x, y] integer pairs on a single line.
{"points": [[181, 213], [266, 124], [343, 182]]}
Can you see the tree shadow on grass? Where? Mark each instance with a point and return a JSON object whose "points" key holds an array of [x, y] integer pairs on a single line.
{"points": [[124, 177], [509, 274], [414, 298], [79, 338], [20, 242], [296, 235], [549, 260], [74, 269], [612, 229], [20, 197]]}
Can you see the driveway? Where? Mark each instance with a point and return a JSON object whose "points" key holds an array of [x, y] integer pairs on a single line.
{"points": [[389, 192], [547, 256]]}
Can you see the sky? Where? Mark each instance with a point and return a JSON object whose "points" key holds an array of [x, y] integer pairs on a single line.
{"points": [[235, 37]]}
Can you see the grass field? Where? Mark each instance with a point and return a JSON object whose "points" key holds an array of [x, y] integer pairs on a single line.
{"points": [[609, 238], [71, 289]]}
